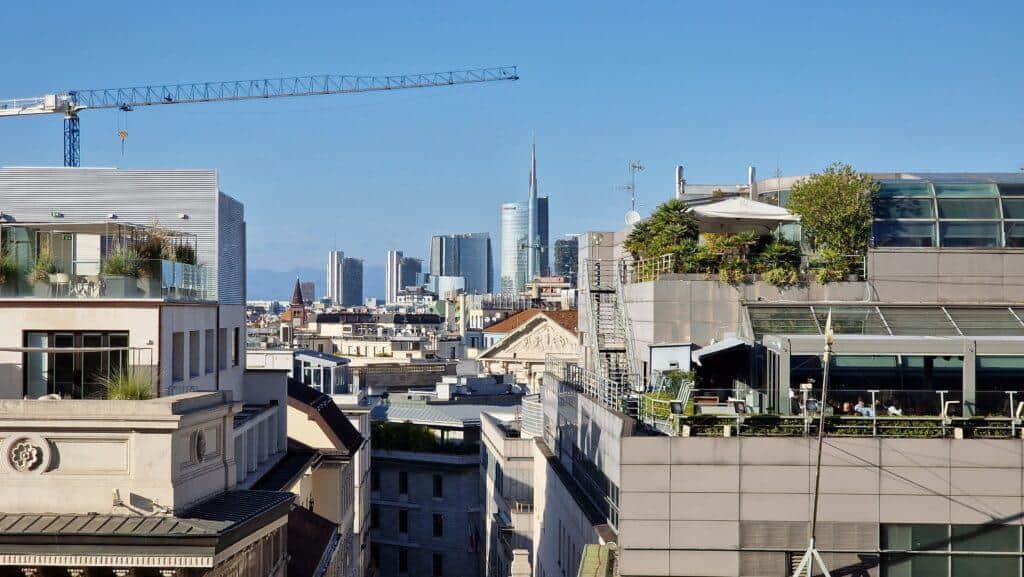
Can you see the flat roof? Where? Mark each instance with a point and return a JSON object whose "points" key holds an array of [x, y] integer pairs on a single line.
{"points": [[202, 530]]}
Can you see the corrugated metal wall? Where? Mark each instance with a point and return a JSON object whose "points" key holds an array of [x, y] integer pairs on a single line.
{"points": [[140, 197], [231, 274]]}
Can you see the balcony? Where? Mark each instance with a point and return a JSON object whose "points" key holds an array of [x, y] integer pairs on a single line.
{"points": [[101, 260]]}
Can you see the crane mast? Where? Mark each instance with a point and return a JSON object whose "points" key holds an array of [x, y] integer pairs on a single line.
{"points": [[70, 103]]}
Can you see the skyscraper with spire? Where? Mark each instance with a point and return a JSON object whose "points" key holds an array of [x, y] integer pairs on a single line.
{"points": [[524, 236], [531, 235]]}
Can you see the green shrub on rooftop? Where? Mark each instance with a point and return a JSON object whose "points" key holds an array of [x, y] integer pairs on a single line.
{"points": [[127, 384], [835, 217]]}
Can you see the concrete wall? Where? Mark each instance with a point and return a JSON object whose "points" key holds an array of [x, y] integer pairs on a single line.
{"points": [[981, 276], [688, 308], [735, 506], [146, 450]]}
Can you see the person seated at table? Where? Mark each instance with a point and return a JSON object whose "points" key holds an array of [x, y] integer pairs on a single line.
{"points": [[847, 408], [862, 409]]}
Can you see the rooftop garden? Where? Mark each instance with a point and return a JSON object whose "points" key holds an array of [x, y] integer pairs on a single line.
{"points": [[835, 208], [101, 259], [389, 436]]}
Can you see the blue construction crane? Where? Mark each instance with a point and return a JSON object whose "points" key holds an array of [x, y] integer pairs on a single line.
{"points": [[72, 102]]}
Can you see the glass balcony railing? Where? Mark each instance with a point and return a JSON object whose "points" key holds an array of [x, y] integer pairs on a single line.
{"points": [[152, 279]]}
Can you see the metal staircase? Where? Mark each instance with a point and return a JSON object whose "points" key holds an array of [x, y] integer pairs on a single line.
{"points": [[609, 331]]}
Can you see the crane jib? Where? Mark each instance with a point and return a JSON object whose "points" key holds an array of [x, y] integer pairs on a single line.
{"points": [[72, 102]]}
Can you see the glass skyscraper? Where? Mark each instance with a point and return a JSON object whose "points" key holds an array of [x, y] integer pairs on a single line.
{"points": [[567, 258], [464, 255], [514, 245]]}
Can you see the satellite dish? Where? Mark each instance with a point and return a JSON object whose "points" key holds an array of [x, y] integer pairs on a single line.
{"points": [[632, 218]]}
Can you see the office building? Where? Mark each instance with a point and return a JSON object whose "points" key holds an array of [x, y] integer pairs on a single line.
{"points": [[714, 476], [410, 269], [392, 275], [351, 282], [308, 289], [514, 253], [335, 280], [464, 255], [425, 482], [566, 258]]}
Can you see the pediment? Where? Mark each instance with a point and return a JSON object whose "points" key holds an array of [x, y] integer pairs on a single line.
{"points": [[534, 340]]}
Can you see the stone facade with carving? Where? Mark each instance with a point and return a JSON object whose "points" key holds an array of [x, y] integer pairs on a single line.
{"points": [[521, 352]]}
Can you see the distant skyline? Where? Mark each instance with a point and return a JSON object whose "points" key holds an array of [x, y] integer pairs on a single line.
{"points": [[712, 86]]}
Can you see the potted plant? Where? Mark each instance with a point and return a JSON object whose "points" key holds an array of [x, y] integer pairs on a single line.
{"points": [[42, 274], [10, 271], [120, 272]]}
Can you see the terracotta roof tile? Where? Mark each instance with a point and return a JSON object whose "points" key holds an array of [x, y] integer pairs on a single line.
{"points": [[567, 319]]}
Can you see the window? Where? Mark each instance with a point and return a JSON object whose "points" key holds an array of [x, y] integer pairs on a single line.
{"points": [[955, 215], [211, 351], [904, 208], [935, 550], [977, 208], [988, 539], [969, 234], [403, 560], [375, 555], [403, 483], [236, 344], [904, 188], [374, 516], [438, 565], [222, 349], [72, 374], [375, 480], [193, 354], [438, 525], [438, 486], [178, 356], [904, 233], [965, 189], [403, 521]]}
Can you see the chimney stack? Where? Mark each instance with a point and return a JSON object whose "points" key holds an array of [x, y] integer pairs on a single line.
{"points": [[752, 182], [680, 182]]}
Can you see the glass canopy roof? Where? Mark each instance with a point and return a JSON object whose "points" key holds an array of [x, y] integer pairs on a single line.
{"points": [[887, 320], [945, 212]]}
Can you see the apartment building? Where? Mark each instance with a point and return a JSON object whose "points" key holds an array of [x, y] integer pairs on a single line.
{"points": [[426, 486], [115, 275], [120, 267]]}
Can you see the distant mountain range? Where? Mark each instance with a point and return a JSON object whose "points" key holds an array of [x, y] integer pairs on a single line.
{"points": [[266, 284]]}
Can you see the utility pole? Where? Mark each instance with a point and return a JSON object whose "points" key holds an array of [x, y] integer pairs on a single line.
{"points": [[811, 556]]}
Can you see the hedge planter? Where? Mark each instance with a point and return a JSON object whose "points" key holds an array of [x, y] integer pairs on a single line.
{"points": [[120, 287]]}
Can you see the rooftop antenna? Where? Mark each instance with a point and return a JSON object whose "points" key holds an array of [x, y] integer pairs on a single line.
{"points": [[811, 556], [634, 167]]}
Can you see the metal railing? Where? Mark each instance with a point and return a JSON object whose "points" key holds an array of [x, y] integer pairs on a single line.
{"points": [[608, 392], [646, 269], [876, 413]]}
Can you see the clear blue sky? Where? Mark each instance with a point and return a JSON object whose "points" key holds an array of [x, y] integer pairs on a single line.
{"points": [[714, 86]]}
